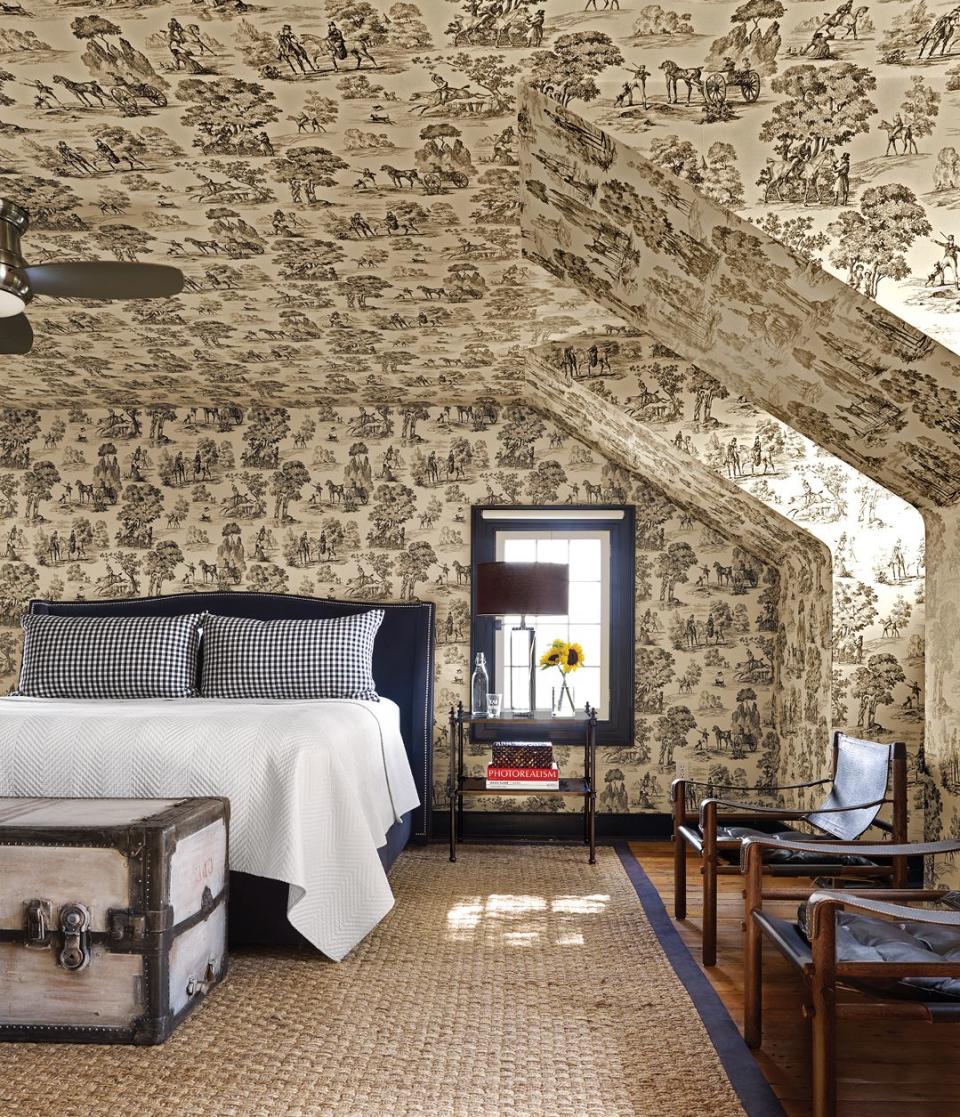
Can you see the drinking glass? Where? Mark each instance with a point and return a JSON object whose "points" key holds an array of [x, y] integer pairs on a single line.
{"points": [[494, 705]]}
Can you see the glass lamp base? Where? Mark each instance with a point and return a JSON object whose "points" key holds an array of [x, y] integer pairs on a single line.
{"points": [[522, 653]]}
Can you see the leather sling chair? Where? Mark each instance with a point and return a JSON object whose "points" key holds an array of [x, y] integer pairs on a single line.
{"points": [[906, 960], [862, 771]]}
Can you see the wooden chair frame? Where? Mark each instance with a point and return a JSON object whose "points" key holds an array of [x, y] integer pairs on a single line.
{"points": [[824, 974], [699, 831]]}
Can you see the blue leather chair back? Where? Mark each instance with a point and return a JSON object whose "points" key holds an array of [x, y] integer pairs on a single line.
{"points": [[862, 774]]}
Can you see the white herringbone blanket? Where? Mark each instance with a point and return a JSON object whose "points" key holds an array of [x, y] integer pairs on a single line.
{"points": [[313, 786]]}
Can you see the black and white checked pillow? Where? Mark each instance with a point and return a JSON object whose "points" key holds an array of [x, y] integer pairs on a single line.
{"points": [[110, 657], [330, 658]]}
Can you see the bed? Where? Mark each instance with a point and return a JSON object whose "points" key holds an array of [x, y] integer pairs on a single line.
{"points": [[325, 793]]}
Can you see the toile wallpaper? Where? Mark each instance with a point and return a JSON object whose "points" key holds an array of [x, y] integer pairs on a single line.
{"points": [[340, 183], [372, 503], [876, 539], [861, 383]]}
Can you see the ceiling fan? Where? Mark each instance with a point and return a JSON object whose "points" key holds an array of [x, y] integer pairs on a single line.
{"points": [[102, 279]]}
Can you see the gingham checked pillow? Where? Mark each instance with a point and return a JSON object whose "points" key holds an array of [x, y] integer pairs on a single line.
{"points": [[110, 657], [330, 658]]}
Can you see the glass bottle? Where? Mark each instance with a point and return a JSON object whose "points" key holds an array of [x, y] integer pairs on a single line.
{"points": [[479, 685]]}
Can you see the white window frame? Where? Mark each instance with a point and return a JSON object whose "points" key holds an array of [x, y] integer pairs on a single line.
{"points": [[502, 631]]}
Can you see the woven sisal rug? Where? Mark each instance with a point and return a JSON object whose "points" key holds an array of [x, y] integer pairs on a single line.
{"points": [[520, 982]]}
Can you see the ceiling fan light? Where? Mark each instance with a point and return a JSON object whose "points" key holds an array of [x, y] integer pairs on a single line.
{"points": [[14, 292], [10, 304]]}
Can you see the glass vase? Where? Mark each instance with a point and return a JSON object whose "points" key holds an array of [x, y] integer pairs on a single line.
{"points": [[563, 701]]}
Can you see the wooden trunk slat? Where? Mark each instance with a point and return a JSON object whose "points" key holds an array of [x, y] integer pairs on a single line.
{"points": [[98, 878], [95, 813], [190, 954], [199, 862], [35, 990]]}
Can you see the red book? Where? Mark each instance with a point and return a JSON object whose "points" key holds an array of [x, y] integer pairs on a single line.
{"points": [[525, 775]]}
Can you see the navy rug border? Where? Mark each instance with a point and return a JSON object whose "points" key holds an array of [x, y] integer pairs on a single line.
{"points": [[751, 1087]]}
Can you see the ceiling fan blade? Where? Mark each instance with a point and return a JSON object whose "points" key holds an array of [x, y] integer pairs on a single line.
{"points": [[15, 334], [105, 279]]}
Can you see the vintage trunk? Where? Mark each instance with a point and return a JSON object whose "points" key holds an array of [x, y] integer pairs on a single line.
{"points": [[113, 916]]}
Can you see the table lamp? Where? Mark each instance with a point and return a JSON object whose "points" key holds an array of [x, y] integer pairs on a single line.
{"points": [[525, 589]]}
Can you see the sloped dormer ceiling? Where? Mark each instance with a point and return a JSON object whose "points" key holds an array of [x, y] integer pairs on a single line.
{"points": [[829, 361]]}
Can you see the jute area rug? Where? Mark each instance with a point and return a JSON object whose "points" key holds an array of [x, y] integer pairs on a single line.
{"points": [[519, 982]]}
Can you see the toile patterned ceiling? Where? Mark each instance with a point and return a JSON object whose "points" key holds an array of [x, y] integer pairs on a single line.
{"points": [[348, 224], [341, 237]]}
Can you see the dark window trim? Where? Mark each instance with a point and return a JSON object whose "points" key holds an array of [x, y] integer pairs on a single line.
{"points": [[617, 729]]}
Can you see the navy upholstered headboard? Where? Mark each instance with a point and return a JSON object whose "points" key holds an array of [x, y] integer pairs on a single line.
{"points": [[402, 654]]}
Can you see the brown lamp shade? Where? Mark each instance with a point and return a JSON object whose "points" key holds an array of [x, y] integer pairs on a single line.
{"points": [[527, 588]]}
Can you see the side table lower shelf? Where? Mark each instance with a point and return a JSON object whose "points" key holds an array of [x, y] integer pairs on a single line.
{"points": [[477, 785]]}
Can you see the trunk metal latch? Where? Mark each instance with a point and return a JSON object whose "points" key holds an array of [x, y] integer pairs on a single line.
{"points": [[38, 931], [126, 925], [75, 927]]}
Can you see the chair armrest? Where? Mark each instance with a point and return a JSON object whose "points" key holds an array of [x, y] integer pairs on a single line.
{"points": [[849, 902], [769, 788], [772, 814], [780, 813], [834, 848]]}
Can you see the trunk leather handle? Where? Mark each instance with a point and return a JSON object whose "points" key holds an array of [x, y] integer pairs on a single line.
{"points": [[197, 985]]}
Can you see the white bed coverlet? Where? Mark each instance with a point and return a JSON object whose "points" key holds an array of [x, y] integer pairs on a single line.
{"points": [[313, 786]]}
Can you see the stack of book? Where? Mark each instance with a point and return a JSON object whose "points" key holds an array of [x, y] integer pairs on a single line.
{"points": [[523, 766]]}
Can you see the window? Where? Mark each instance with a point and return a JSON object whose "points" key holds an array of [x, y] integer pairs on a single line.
{"points": [[587, 555], [596, 543]]}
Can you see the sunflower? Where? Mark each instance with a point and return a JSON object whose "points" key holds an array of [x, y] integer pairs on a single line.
{"points": [[554, 655], [572, 659], [567, 657]]}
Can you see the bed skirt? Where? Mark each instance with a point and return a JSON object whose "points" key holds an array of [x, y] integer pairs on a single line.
{"points": [[257, 913]]}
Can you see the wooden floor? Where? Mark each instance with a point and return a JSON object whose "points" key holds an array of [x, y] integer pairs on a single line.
{"points": [[906, 1070]]}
